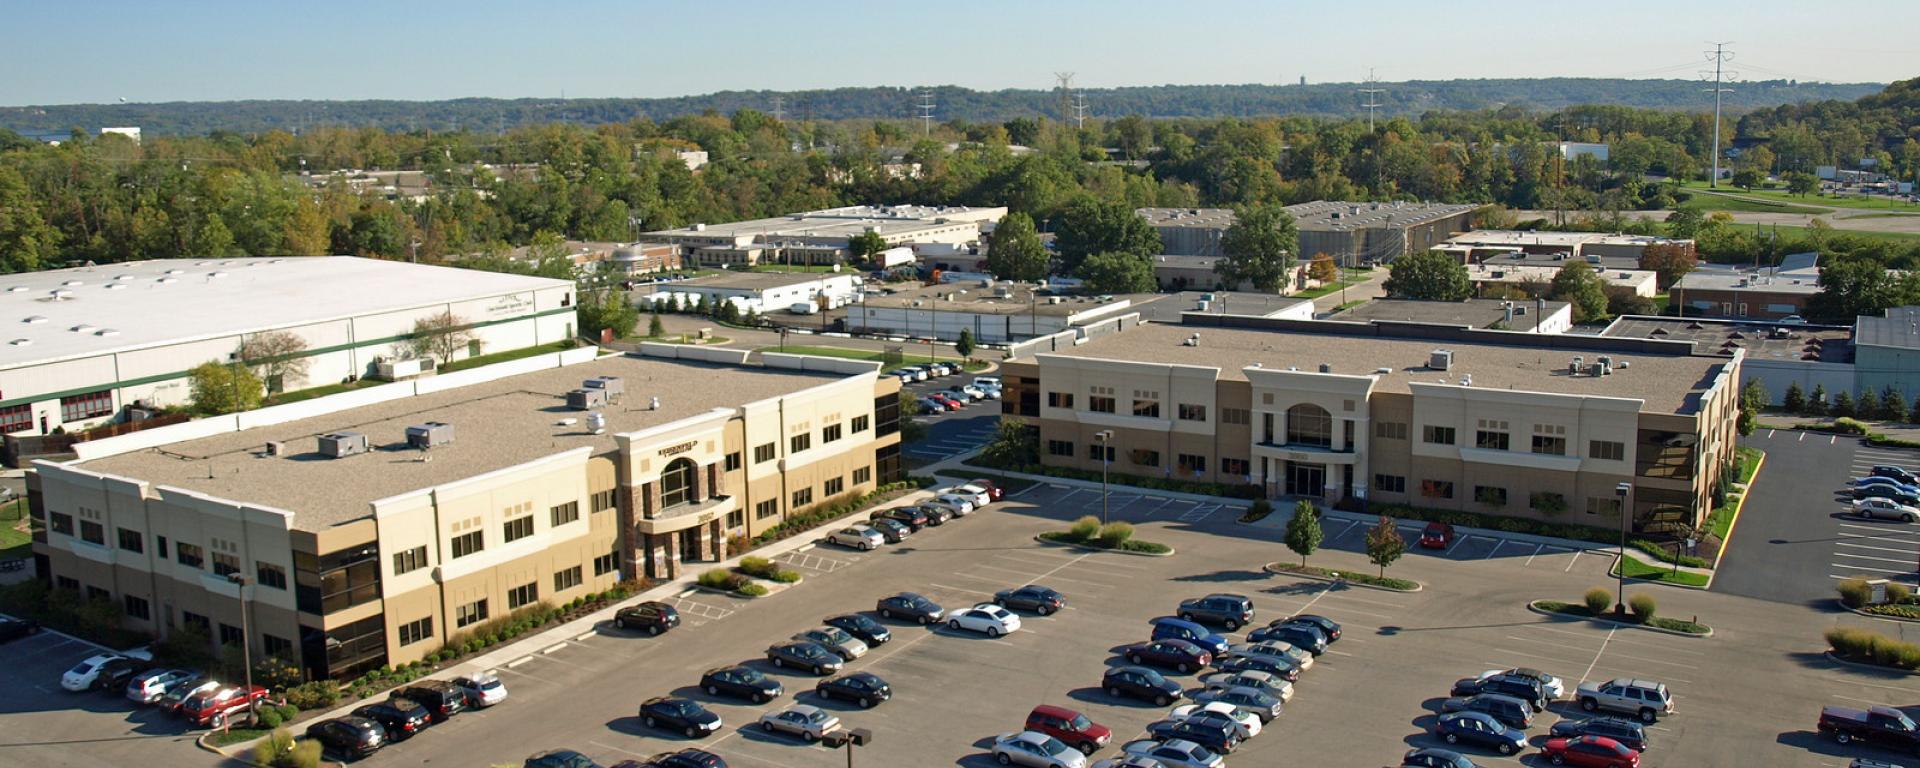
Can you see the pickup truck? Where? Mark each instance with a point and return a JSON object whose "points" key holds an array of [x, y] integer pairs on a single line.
{"points": [[1880, 726]]}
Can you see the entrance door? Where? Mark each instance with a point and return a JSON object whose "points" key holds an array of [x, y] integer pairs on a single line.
{"points": [[690, 545], [1306, 479]]}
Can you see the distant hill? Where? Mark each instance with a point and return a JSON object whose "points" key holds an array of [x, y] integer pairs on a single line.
{"points": [[1167, 101]]}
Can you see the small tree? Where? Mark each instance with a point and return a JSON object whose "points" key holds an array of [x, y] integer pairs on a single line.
{"points": [[440, 337], [1868, 406], [1842, 406], [1014, 445], [1794, 401], [1428, 276], [1323, 269], [1892, 404], [1817, 401], [1598, 600], [275, 356], [1753, 397], [654, 328], [1643, 606], [1384, 544], [1303, 531], [964, 345], [217, 388], [1913, 416]]}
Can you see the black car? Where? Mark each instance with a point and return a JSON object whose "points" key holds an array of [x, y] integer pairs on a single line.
{"points": [[1436, 758], [1032, 597], [402, 718], [14, 629], [115, 672], [1327, 626], [677, 714], [687, 758], [908, 605], [741, 682], [1525, 689], [1140, 683], [441, 698], [1627, 732], [1508, 710], [349, 737], [1279, 666], [1897, 473], [864, 687], [913, 517], [560, 758], [935, 515], [651, 616], [1306, 637], [805, 655], [862, 626], [1212, 735], [1227, 610]]}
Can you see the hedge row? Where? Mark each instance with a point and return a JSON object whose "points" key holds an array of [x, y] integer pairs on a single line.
{"points": [[1870, 647], [1574, 531]]}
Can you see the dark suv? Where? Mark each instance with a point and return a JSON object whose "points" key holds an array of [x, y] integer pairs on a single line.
{"points": [[349, 737], [654, 617], [441, 698], [1525, 689], [401, 717], [913, 517], [1230, 611]]}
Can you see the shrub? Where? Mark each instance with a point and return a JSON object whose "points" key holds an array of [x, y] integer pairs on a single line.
{"points": [[288, 712], [319, 694], [1114, 534], [1855, 593], [717, 578], [1642, 605], [1598, 600], [786, 577], [1257, 511], [1898, 593], [751, 590], [1085, 528], [1849, 426], [758, 566], [270, 718]]}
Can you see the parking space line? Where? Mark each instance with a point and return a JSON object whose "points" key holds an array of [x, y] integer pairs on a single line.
{"points": [[1597, 654], [960, 589], [1572, 560], [1874, 548], [1497, 543], [1873, 557], [1163, 505], [1456, 544]]}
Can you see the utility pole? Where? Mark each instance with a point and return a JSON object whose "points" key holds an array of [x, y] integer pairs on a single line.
{"points": [[1371, 92], [1719, 56], [926, 113], [779, 108], [1080, 111], [1066, 94]]}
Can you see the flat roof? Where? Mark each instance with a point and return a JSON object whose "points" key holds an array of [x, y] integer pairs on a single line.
{"points": [[1316, 215], [132, 305], [757, 281], [1667, 383], [1520, 238], [842, 222], [1478, 313], [1761, 340], [1898, 328], [1554, 260], [978, 299], [1802, 282], [1502, 271], [497, 424], [1206, 218], [1169, 307]]}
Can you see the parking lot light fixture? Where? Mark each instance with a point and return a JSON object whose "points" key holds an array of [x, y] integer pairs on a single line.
{"points": [[1623, 491], [1105, 437], [246, 648]]}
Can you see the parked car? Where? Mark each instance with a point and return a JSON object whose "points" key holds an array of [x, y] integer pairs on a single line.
{"points": [[686, 758], [834, 639], [986, 618], [971, 393], [1216, 736], [862, 537], [1554, 687], [906, 376], [1140, 683], [951, 403], [117, 671], [963, 504], [1525, 689], [865, 688], [483, 689], [805, 655], [932, 405], [1228, 610], [1174, 754], [148, 687], [212, 709], [1246, 723], [14, 629], [1171, 628], [86, 674], [892, 531], [1306, 637], [1645, 699], [1437, 535], [177, 696], [986, 381], [1264, 682], [1069, 726], [908, 605], [1880, 726], [1273, 665], [1479, 729], [1627, 732], [674, 713], [1129, 761], [741, 682], [1300, 658], [912, 517], [951, 506], [441, 698], [937, 514], [1506, 709], [861, 626], [1862, 482], [1033, 748], [349, 737], [1898, 473], [1590, 752], [1178, 655], [1032, 597], [1897, 493], [1887, 509], [401, 718], [1266, 706], [560, 758], [977, 496], [806, 721], [1431, 757], [1327, 627], [652, 617], [994, 491]]}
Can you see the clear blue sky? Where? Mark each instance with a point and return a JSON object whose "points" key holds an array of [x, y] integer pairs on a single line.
{"points": [[143, 50]]}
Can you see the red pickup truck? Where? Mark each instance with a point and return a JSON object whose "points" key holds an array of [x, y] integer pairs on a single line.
{"points": [[213, 710], [1880, 726]]}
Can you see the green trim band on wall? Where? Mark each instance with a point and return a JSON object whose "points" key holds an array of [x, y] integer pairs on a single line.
{"points": [[156, 378]]}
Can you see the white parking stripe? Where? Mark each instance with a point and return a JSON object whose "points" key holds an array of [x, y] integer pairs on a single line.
{"points": [[1852, 556], [1536, 553], [1497, 543], [1874, 548], [1571, 561]]}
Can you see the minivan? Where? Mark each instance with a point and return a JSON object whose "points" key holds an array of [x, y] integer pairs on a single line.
{"points": [[1169, 627]]}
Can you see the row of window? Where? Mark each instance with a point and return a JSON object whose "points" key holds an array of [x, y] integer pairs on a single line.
{"points": [[766, 452], [137, 607], [191, 555], [1494, 496], [1185, 462], [1492, 435]]}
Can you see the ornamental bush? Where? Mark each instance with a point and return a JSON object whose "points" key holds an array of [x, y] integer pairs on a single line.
{"points": [[1642, 606], [1598, 600], [1114, 534], [1085, 528], [1855, 593]]}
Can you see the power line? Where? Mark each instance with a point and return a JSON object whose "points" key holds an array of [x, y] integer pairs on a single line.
{"points": [[1080, 111], [1719, 56]]}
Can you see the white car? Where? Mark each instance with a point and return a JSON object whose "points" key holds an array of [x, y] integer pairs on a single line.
{"points": [[976, 495], [803, 720], [987, 618], [84, 674], [975, 394], [858, 537], [483, 689], [987, 381], [1174, 753], [960, 505], [1886, 508], [992, 392], [1036, 749], [1245, 721], [1265, 682], [1130, 761]]}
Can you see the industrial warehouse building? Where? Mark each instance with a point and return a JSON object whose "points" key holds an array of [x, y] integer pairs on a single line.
{"points": [[374, 526], [994, 312], [764, 291], [89, 341], [821, 237], [1351, 233], [1527, 425], [1543, 247]]}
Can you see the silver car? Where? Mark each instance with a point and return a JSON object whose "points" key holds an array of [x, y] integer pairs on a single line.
{"points": [[1265, 682], [803, 720], [954, 505], [836, 640], [1174, 753], [1036, 749], [857, 537]]}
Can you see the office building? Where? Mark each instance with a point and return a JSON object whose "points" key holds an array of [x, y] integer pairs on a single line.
{"points": [[766, 291], [1761, 294], [1351, 233], [1544, 248], [994, 312], [1531, 316], [1536, 279], [1887, 352], [821, 237]]}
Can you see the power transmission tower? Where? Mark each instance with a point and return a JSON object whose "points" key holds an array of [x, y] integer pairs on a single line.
{"points": [[1719, 56], [779, 108], [1080, 111], [926, 112], [1372, 102], [1066, 94]]}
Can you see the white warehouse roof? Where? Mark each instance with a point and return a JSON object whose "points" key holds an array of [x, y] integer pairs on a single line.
{"points": [[85, 311]]}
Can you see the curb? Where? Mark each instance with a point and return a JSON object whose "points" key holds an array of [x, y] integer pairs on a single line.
{"points": [[730, 593], [1881, 617], [1070, 545], [1620, 624], [1734, 525], [1862, 665], [1418, 587], [1614, 572]]}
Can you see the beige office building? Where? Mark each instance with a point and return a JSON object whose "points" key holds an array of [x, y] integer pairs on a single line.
{"points": [[1430, 416], [373, 533]]}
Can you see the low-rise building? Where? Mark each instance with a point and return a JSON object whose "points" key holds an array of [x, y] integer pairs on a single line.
{"points": [[821, 237], [1887, 352], [1535, 279], [1778, 355], [993, 312], [1602, 249], [1536, 316], [1351, 233], [767, 291], [1762, 294]]}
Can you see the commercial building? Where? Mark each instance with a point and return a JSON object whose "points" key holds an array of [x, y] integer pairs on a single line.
{"points": [[1778, 355], [1503, 246], [767, 291], [1189, 231], [1536, 316], [1526, 425], [821, 237], [994, 312], [1763, 294], [1536, 278], [374, 526], [1351, 233], [1181, 273], [89, 341], [1887, 352]]}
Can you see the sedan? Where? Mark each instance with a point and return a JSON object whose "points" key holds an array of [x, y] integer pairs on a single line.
{"points": [[1273, 665], [1265, 706], [741, 682], [994, 492], [931, 405], [560, 758], [858, 537], [1035, 749], [861, 626], [14, 629], [1245, 723], [677, 714], [1221, 737], [835, 639], [1436, 758], [1140, 683], [1554, 687], [1129, 761], [348, 737], [1300, 658], [1032, 597], [974, 494], [1264, 682], [804, 655], [987, 618], [1590, 752], [1525, 689], [937, 514], [1178, 655], [402, 718], [1327, 626], [1479, 728], [864, 687], [893, 531], [972, 393], [1174, 754], [1887, 509], [961, 505], [1896, 493], [1303, 636], [686, 758], [803, 720], [1897, 473], [1630, 734], [87, 673], [952, 403], [1862, 482], [1437, 535], [908, 605]]}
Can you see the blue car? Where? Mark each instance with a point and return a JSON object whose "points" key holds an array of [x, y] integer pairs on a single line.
{"points": [[1479, 729], [1172, 628], [1862, 482]]}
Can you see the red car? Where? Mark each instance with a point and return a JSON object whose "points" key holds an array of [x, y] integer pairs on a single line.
{"points": [[1070, 727], [1591, 752], [1437, 535], [952, 403], [213, 710]]}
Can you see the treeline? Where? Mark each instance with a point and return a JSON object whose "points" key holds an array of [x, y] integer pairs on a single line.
{"points": [[952, 103]]}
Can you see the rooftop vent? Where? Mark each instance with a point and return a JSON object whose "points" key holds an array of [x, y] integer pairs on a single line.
{"points": [[432, 434], [586, 399], [21, 342], [1466, 380], [82, 328], [1326, 367], [34, 320], [17, 289], [340, 445], [106, 332], [166, 280], [115, 286], [74, 283], [60, 295], [216, 274], [276, 448], [176, 271], [1383, 370]]}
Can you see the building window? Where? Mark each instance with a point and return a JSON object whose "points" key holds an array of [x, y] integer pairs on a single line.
{"points": [[1099, 404], [862, 475], [96, 593], [523, 595], [763, 453], [733, 461], [93, 533], [829, 433], [1188, 412], [567, 579], [269, 575], [188, 554], [137, 607], [1145, 407], [469, 543], [1607, 449], [1240, 416], [1390, 430], [1437, 435], [1389, 483], [886, 412], [1189, 463], [799, 442], [1436, 489], [1490, 440], [197, 621], [337, 580], [604, 500], [862, 423], [231, 635], [416, 631], [610, 561], [132, 541], [1547, 502], [677, 481], [1600, 505], [1095, 453], [277, 647], [565, 513], [1144, 457], [67, 583], [1490, 496], [225, 564], [833, 487], [88, 406], [1548, 444], [471, 613], [1060, 400], [802, 497], [766, 509], [1059, 448], [16, 418], [517, 529], [60, 522], [1311, 425], [160, 546], [1235, 467], [409, 560]]}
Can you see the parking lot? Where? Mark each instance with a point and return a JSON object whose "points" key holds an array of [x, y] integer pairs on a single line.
{"points": [[953, 433], [42, 724]]}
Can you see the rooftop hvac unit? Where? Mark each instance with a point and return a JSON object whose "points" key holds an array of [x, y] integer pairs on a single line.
{"points": [[1597, 369], [276, 448], [1466, 380], [614, 386], [1606, 360], [1383, 370], [1440, 359], [432, 434], [1575, 366], [586, 399], [340, 445], [1326, 367]]}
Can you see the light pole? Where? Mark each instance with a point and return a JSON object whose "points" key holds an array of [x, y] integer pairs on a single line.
{"points": [[240, 581], [1623, 491], [1105, 437]]}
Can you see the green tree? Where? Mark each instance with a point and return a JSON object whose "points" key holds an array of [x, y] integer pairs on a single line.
{"points": [[217, 388], [1303, 530], [211, 238], [1795, 400], [1014, 250], [1015, 444], [1753, 398], [1893, 406], [1747, 178], [1802, 183], [27, 241], [1842, 406], [1090, 226], [1577, 284], [866, 245], [964, 345], [1429, 276], [1669, 262], [1258, 248], [1685, 222], [1117, 272], [1322, 268], [654, 328], [1817, 401], [1913, 415], [1867, 405], [608, 309], [1853, 287], [1385, 544]]}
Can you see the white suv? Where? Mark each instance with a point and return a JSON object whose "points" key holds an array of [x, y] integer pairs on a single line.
{"points": [[1644, 699]]}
